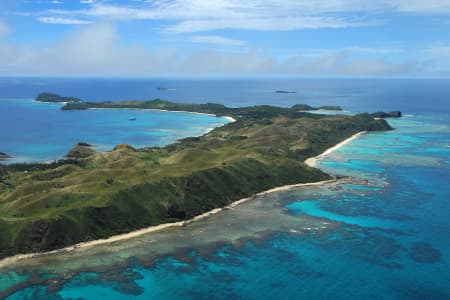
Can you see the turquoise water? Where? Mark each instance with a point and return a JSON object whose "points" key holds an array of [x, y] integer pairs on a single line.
{"points": [[34, 131], [384, 240]]}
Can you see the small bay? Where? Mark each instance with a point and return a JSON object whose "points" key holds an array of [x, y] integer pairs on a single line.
{"points": [[34, 131]]}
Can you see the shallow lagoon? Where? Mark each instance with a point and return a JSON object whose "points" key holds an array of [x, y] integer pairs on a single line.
{"points": [[33, 131]]}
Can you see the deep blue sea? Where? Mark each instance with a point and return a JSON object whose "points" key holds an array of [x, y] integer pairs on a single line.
{"points": [[388, 239]]}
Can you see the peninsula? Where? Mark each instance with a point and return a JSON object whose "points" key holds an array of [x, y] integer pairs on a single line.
{"points": [[93, 195]]}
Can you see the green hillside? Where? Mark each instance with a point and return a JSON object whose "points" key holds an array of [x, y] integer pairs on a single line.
{"points": [[95, 195]]}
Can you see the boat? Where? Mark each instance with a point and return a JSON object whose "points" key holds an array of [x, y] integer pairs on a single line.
{"points": [[132, 119]]}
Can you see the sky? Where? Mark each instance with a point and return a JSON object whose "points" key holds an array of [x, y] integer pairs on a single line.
{"points": [[145, 38]]}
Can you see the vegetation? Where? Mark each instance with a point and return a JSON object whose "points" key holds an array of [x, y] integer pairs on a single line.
{"points": [[331, 107], [211, 108], [49, 97], [95, 195], [82, 150], [306, 107], [383, 115]]}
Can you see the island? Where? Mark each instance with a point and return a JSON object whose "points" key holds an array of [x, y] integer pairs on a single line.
{"points": [[285, 92], [306, 107], [208, 108], [94, 195], [55, 98]]}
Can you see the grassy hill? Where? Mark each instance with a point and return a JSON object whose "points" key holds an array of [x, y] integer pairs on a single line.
{"points": [[96, 195]]}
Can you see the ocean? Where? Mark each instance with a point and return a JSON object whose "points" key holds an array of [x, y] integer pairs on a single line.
{"points": [[387, 239]]}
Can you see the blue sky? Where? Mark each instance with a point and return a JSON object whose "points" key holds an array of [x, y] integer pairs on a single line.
{"points": [[399, 38]]}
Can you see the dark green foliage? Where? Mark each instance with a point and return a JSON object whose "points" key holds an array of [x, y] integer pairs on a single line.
{"points": [[331, 107], [31, 167], [392, 114], [302, 107], [257, 112], [306, 107], [80, 151], [50, 97]]}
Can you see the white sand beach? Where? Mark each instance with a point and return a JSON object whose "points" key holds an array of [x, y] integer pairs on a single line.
{"points": [[312, 160]]}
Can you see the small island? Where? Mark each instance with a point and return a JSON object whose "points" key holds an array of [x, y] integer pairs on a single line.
{"points": [[93, 195], [285, 92], [306, 107], [55, 98]]}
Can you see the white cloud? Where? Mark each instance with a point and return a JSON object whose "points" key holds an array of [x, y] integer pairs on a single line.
{"points": [[197, 15], [96, 51], [422, 7], [216, 40], [92, 50], [373, 50], [201, 15], [265, 24], [63, 21], [43, 1], [438, 51], [4, 28], [344, 63], [235, 14]]}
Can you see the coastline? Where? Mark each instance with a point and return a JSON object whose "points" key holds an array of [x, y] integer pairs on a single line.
{"points": [[231, 119], [121, 237], [313, 160], [7, 159]]}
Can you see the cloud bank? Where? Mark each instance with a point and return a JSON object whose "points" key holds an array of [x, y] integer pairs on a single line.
{"points": [[96, 51]]}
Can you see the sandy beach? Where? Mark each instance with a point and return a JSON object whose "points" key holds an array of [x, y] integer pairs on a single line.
{"points": [[313, 160], [310, 161], [231, 119]]}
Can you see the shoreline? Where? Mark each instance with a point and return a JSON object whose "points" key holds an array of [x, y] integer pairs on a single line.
{"points": [[231, 119], [137, 233], [313, 160], [133, 234]]}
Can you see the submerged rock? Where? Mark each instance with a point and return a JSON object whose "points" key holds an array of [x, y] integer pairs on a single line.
{"points": [[424, 253]]}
